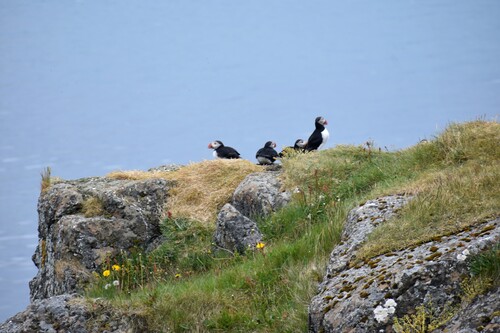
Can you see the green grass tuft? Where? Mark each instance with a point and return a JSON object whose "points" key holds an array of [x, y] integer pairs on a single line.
{"points": [[487, 265]]}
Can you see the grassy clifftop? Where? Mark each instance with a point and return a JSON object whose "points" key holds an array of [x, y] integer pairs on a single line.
{"points": [[455, 179]]}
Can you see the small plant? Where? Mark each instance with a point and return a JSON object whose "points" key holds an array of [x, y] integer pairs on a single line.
{"points": [[128, 272], [369, 149], [487, 265], [472, 287], [45, 184], [93, 206], [425, 319], [412, 323], [187, 246]]}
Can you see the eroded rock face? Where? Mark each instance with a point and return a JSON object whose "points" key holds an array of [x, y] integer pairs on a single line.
{"points": [[72, 245], [235, 232], [354, 296], [70, 313], [260, 194]]}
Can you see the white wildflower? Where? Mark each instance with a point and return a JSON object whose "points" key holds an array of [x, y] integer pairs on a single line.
{"points": [[107, 286], [381, 314], [116, 283], [462, 256], [390, 303]]}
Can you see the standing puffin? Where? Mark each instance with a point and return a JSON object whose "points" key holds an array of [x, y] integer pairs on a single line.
{"points": [[297, 147], [267, 155], [221, 151], [320, 135]]}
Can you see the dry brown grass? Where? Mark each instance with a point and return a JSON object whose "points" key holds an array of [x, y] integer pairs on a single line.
{"points": [[202, 188], [45, 183], [137, 174]]}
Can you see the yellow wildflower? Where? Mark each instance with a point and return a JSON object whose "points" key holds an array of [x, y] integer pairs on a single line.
{"points": [[115, 267], [106, 273], [178, 275], [260, 245]]}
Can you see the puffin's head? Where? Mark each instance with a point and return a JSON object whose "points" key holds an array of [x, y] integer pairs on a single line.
{"points": [[321, 120], [300, 143], [215, 144], [270, 144]]}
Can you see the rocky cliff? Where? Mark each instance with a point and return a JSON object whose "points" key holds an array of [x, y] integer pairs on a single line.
{"points": [[83, 222]]}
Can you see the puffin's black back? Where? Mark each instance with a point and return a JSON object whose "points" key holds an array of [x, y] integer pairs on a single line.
{"points": [[267, 155], [316, 139], [227, 152], [267, 152]]}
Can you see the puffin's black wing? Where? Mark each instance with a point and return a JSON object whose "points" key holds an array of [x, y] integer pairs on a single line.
{"points": [[227, 152], [260, 152], [267, 152], [314, 140]]}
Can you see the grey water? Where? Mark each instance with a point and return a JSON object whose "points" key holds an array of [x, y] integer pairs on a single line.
{"points": [[87, 87]]}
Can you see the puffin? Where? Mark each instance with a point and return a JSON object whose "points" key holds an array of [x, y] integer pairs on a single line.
{"points": [[221, 151], [320, 135], [267, 155], [297, 147]]}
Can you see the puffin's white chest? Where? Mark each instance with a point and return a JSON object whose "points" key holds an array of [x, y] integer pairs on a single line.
{"points": [[215, 154], [325, 135]]}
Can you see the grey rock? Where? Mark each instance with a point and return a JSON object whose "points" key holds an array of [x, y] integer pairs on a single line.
{"points": [[70, 313], [424, 274], [234, 231], [260, 194], [71, 245], [359, 223]]}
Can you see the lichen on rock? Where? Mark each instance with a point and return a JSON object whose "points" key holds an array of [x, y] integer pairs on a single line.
{"points": [[260, 194]]}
